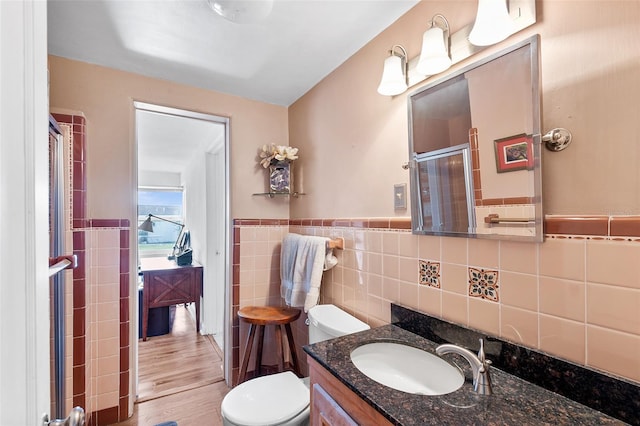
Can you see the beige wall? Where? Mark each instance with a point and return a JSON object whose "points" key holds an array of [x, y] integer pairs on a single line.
{"points": [[105, 97], [353, 141]]}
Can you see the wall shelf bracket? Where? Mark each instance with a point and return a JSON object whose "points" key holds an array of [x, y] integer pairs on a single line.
{"points": [[280, 194]]}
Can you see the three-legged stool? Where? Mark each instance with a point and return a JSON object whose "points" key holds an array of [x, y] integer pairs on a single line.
{"points": [[259, 316]]}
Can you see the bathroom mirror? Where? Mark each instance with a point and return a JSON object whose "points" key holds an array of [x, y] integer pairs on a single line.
{"points": [[474, 146]]}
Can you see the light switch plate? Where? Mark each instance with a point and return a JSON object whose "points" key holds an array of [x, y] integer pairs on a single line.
{"points": [[400, 196]]}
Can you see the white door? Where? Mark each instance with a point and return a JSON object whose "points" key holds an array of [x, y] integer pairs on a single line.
{"points": [[217, 239], [24, 240]]}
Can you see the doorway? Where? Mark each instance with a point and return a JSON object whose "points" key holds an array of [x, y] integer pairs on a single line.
{"points": [[188, 151]]}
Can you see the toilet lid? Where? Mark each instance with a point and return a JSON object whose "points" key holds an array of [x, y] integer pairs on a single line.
{"points": [[335, 321], [266, 400]]}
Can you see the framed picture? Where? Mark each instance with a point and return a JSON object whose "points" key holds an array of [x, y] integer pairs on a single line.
{"points": [[514, 153]]}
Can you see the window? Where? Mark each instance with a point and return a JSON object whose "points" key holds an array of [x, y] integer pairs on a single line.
{"points": [[165, 203]]}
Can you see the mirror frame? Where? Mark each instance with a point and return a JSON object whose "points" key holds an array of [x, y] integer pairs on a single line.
{"points": [[416, 217]]}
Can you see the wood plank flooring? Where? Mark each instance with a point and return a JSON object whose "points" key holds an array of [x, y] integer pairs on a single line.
{"points": [[180, 377], [178, 361], [195, 407]]}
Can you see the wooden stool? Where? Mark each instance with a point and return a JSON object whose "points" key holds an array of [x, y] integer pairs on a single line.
{"points": [[258, 317]]}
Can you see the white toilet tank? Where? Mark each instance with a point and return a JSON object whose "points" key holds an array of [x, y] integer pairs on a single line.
{"points": [[329, 321]]}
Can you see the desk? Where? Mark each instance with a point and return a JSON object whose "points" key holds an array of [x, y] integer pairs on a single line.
{"points": [[166, 284]]}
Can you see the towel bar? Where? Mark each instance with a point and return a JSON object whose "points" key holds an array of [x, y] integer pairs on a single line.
{"points": [[495, 218], [337, 243]]}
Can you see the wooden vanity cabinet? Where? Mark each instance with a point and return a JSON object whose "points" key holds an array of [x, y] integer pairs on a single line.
{"points": [[334, 404]]}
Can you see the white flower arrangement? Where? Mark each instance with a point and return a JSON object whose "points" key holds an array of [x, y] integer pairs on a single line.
{"points": [[273, 153]]}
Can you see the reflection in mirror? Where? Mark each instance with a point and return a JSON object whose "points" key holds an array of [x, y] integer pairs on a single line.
{"points": [[474, 142], [446, 197]]}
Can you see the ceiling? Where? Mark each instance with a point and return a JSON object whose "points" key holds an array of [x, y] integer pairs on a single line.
{"points": [[168, 143], [275, 60]]}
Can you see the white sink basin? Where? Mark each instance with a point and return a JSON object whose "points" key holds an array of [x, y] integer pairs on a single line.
{"points": [[406, 368]]}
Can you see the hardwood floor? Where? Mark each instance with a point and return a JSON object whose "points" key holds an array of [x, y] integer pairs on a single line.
{"points": [[195, 407], [180, 378]]}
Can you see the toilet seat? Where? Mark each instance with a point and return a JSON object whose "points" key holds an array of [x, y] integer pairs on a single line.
{"points": [[272, 399]]}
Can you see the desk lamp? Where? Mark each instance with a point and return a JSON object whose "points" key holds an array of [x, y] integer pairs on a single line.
{"points": [[147, 225]]}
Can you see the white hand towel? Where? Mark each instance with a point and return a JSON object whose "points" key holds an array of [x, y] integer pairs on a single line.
{"points": [[288, 254], [310, 268], [303, 259]]}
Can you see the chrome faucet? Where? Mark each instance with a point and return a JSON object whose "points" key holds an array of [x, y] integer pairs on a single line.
{"points": [[479, 365]]}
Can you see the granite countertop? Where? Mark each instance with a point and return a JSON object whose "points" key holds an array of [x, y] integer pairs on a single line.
{"points": [[513, 402]]}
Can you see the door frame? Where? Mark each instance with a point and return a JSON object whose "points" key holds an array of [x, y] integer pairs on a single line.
{"points": [[208, 287], [24, 198]]}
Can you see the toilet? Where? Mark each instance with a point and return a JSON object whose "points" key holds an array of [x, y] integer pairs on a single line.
{"points": [[282, 399]]}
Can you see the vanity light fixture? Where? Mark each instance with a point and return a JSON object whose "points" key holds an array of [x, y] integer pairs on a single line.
{"points": [[442, 48], [492, 23], [394, 75], [434, 57]]}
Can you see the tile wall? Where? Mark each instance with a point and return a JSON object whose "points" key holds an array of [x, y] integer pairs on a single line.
{"points": [[576, 296], [98, 300], [104, 318], [101, 320], [257, 283]]}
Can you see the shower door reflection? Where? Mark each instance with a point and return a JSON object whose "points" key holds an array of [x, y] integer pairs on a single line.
{"points": [[444, 181]]}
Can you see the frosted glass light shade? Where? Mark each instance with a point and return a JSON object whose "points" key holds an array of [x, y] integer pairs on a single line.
{"points": [[242, 11], [393, 80], [434, 57], [492, 24]]}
